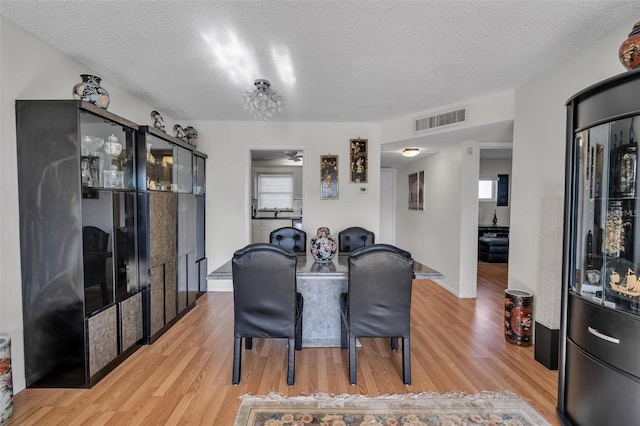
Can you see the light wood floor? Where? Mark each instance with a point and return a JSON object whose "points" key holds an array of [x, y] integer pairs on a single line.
{"points": [[185, 377]]}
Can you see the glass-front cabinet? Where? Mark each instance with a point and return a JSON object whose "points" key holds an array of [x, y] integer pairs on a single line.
{"points": [[599, 377], [607, 253], [82, 309], [166, 221]]}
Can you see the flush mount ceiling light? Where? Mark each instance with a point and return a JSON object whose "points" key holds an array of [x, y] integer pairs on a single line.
{"points": [[410, 152], [263, 101]]}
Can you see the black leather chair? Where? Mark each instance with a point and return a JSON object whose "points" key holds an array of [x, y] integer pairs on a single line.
{"points": [[290, 238], [353, 238], [95, 243], [266, 301], [378, 303]]}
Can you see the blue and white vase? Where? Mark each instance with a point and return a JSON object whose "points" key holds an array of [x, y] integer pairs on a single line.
{"points": [[6, 380], [90, 90], [323, 245]]}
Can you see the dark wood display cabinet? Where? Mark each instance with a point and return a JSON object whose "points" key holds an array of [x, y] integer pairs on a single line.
{"points": [[82, 305], [171, 245], [599, 371]]}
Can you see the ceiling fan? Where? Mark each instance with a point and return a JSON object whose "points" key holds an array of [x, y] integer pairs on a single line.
{"points": [[293, 155]]}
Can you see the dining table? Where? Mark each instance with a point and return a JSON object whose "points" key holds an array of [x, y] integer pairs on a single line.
{"points": [[321, 284]]}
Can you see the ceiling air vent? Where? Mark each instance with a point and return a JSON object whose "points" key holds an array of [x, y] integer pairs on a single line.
{"points": [[439, 120]]}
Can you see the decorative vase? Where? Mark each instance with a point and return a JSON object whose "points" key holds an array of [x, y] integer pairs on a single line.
{"points": [[495, 219], [91, 91], [323, 245], [629, 52], [113, 147], [6, 380], [192, 135], [179, 133], [158, 121]]}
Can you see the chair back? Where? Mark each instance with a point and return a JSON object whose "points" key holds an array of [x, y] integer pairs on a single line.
{"points": [[94, 239], [379, 295], [353, 238], [264, 291], [290, 238]]}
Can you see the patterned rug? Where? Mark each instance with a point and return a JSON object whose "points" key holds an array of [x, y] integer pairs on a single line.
{"points": [[416, 409]]}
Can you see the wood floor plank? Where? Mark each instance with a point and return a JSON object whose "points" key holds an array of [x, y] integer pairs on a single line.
{"points": [[185, 376]]}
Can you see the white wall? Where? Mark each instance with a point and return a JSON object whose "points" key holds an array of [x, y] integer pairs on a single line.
{"points": [[480, 111], [535, 251], [490, 169], [435, 236], [228, 196]]}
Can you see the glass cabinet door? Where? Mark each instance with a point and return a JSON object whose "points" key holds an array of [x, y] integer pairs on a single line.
{"points": [[106, 154], [159, 164], [183, 168], [199, 175], [607, 252]]}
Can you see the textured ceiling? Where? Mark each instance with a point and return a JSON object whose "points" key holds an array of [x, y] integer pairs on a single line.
{"points": [[343, 60]]}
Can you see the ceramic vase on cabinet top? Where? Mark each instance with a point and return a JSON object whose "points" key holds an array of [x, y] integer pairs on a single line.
{"points": [[90, 90], [629, 52], [323, 245]]}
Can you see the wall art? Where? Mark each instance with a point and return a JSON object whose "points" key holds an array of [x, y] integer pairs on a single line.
{"points": [[416, 191], [359, 162], [329, 177]]}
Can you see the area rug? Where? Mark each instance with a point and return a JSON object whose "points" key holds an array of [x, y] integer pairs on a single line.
{"points": [[414, 409]]}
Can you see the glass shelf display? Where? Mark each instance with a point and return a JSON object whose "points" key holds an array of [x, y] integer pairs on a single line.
{"points": [[607, 252], [159, 154], [106, 154]]}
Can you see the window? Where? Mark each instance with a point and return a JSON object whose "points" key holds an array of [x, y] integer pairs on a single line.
{"points": [[275, 192], [487, 190]]}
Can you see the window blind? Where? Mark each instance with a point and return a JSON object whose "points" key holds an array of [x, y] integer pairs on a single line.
{"points": [[275, 192]]}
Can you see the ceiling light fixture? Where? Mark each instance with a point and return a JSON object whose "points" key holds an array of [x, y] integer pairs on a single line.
{"points": [[263, 101], [410, 152]]}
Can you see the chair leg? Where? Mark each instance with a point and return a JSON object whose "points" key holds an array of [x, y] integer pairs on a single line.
{"points": [[344, 338], [237, 360], [299, 334], [299, 317], [291, 363], [394, 343], [406, 361], [352, 360], [248, 343]]}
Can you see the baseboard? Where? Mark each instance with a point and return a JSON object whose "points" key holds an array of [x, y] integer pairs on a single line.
{"points": [[546, 346], [220, 285], [446, 287]]}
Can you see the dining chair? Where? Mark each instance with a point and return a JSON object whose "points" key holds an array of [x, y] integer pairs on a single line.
{"points": [[290, 238], [266, 301], [378, 301], [354, 237], [95, 243]]}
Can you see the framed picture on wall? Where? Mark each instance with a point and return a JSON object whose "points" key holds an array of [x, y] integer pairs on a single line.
{"points": [[358, 163], [416, 191], [329, 177]]}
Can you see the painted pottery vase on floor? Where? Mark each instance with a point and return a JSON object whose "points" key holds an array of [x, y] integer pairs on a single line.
{"points": [[6, 380], [90, 90], [323, 245], [629, 52], [518, 317]]}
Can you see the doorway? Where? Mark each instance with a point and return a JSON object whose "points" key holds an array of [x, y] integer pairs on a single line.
{"points": [[275, 190], [494, 216]]}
